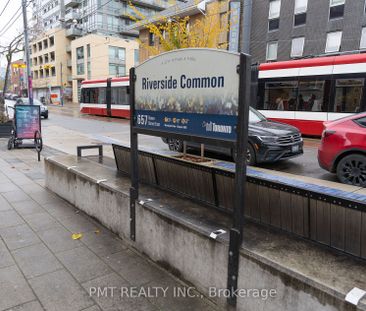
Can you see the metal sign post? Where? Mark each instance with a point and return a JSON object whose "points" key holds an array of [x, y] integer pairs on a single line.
{"points": [[180, 95], [236, 232]]}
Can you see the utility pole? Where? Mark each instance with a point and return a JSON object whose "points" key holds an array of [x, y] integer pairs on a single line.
{"points": [[62, 86], [26, 50]]}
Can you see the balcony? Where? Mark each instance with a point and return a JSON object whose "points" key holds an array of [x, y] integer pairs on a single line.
{"points": [[153, 4], [129, 32], [72, 3], [73, 32], [128, 12], [72, 15]]}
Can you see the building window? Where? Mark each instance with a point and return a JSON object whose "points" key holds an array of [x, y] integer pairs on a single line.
{"points": [[334, 40], [117, 57], [151, 39], [53, 72], [117, 70], [363, 39], [136, 56], [336, 9], [297, 47], [80, 53], [301, 7], [88, 50], [274, 14], [52, 56], [272, 48], [52, 41], [80, 69]]}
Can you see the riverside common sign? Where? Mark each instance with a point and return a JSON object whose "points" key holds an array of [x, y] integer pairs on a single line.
{"points": [[188, 92], [199, 95]]}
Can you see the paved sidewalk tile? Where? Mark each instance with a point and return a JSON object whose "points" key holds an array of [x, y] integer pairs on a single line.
{"points": [[29, 306], [58, 239], [5, 257], [60, 210], [58, 291], [36, 260], [83, 264], [19, 236], [7, 187], [104, 243], [16, 196], [79, 223], [40, 221], [14, 290], [4, 205], [27, 207], [9, 218], [133, 268], [112, 300]]}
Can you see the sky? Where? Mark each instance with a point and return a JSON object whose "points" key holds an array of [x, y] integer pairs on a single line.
{"points": [[14, 30]]}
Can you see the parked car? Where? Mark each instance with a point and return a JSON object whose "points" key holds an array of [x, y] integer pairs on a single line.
{"points": [[25, 101], [269, 141], [343, 149]]}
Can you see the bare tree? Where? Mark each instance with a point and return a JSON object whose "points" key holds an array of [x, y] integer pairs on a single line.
{"points": [[15, 46]]}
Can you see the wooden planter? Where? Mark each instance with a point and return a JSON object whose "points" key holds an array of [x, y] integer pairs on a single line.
{"points": [[5, 129]]}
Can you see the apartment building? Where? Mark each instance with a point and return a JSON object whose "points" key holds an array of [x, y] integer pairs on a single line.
{"points": [[107, 17], [97, 57], [18, 76], [287, 29], [51, 65], [217, 22]]}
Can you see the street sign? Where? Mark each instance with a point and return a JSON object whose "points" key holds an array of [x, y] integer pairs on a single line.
{"points": [[199, 95], [188, 92]]}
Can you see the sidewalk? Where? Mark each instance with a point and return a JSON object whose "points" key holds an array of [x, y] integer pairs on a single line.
{"points": [[43, 268]]}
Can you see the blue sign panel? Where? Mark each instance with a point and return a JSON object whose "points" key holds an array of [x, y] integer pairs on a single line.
{"points": [[193, 92], [202, 125]]}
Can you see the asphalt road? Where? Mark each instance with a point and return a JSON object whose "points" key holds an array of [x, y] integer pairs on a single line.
{"points": [[110, 130]]}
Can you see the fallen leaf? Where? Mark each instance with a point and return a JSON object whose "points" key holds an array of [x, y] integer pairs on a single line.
{"points": [[77, 236]]}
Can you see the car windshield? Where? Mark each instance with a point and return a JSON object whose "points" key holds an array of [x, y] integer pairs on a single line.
{"points": [[255, 116], [26, 101]]}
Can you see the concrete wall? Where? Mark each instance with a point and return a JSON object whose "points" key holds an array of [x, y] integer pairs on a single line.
{"points": [[189, 252]]}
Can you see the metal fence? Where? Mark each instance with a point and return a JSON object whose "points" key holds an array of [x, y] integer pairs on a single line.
{"points": [[327, 216]]}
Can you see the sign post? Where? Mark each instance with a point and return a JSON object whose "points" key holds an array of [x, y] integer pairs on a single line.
{"points": [[198, 95]]}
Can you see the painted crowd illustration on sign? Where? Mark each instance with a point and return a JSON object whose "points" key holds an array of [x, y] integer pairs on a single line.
{"points": [[193, 91]]}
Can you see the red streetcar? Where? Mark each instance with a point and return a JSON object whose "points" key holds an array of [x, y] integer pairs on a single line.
{"points": [[105, 97], [306, 93]]}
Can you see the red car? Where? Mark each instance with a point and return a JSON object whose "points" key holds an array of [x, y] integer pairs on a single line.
{"points": [[343, 149]]}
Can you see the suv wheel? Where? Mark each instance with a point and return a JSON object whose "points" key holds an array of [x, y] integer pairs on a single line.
{"points": [[351, 170], [251, 160], [175, 145]]}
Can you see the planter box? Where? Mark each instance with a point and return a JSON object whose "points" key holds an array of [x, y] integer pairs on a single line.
{"points": [[5, 129]]}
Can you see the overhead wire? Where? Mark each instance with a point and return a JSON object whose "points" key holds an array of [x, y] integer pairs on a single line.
{"points": [[6, 5]]}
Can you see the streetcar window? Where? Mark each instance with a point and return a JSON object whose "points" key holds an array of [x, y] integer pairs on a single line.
{"points": [[119, 96], [348, 95], [93, 95], [311, 96], [280, 95]]}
